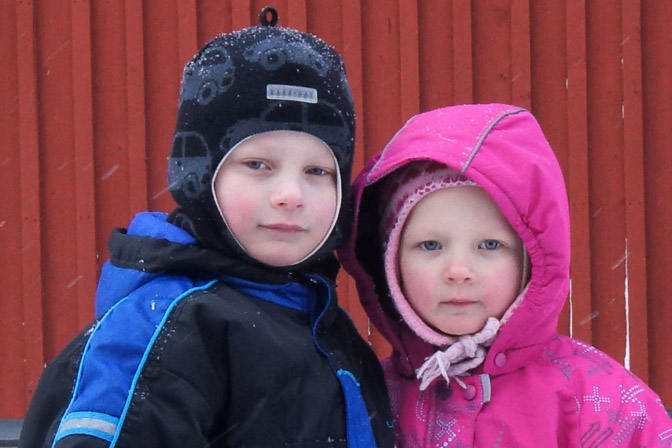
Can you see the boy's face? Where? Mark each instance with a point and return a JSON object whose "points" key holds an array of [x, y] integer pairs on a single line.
{"points": [[460, 261], [277, 192]]}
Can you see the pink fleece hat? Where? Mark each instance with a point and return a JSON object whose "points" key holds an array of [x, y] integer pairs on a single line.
{"points": [[402, 191]]}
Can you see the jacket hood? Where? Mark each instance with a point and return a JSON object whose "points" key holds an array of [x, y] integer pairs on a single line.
{"points": [[502, 149]]}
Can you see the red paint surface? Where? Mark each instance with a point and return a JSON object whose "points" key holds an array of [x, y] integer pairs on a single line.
{"points": [[89, 106]]}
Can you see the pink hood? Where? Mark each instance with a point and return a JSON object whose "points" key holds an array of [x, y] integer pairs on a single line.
{"points": [[502, 149]]}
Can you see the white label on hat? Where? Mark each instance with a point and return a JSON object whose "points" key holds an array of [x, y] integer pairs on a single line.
{"points": [[291, 93]]}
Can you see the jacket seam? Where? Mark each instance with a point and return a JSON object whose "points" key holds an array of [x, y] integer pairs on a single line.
{"points": [[484, 135]]}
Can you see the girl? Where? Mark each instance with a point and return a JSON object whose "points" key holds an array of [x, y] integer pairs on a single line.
{"points": [[461, 251]]}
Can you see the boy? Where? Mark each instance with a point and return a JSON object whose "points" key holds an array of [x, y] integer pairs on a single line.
{"points": [[218, 324]]}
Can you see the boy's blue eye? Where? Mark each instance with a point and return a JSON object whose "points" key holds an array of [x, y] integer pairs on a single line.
{"points": [[430, 245], [490, 245], [316, 171], [255, 164]]}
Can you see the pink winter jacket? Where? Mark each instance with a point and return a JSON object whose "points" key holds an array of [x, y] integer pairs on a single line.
{"points": [[535, 388]]}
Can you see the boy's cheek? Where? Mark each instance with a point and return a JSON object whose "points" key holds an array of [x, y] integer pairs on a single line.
{"points": [[237, 211], [327, 211]]}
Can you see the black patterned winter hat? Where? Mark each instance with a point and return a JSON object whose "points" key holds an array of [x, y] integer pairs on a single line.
{"points": [[247, 82]]}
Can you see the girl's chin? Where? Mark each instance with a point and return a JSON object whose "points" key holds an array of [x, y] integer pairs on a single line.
{"points": [[457, 331]]}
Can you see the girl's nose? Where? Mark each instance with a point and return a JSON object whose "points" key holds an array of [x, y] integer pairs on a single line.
{"points": [[458, 271], [287, 194]]}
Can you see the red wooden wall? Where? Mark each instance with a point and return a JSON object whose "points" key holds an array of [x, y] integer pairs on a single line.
{"points": [[88, 96]]}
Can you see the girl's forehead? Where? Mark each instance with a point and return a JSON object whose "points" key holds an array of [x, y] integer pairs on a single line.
{"points": [[469, 198], [465, 207]]}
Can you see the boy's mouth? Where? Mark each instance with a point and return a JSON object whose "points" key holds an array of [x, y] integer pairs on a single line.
{"points": [[282, 227]]}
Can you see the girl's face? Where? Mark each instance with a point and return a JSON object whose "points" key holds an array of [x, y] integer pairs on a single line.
{"points": [[278, 194], [460, 261]]}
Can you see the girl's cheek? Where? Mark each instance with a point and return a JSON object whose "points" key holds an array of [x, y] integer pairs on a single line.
{"points": [[423, 287]]}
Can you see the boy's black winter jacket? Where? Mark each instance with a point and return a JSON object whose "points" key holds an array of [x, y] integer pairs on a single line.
{"points": [[176, 358]]}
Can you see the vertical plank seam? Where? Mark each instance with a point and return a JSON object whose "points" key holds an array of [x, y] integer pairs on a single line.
{"points": [[578, 187], [187, 30], [409, 59], [187, 43], [136, 108], [352, 55], [635, 287], [241, 15], [31, 236], [84, 164], [463, 62], [297, 17], [521, 71]]}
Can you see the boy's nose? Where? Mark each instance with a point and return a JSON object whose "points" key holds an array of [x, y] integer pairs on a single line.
{"points": [[287, 194]]}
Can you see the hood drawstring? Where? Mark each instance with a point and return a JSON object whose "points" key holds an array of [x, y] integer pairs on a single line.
{"points": [[460, 357]]}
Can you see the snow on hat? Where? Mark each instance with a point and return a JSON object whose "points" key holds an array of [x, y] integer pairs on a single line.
{"points": [[402, 191], [248, 82]]}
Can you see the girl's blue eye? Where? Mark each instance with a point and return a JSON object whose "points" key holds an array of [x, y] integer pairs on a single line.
{"points": [[430, 245], [490, 245]]}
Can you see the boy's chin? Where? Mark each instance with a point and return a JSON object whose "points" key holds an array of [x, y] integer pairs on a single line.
{"points": [[283, 253], [279, 259]]}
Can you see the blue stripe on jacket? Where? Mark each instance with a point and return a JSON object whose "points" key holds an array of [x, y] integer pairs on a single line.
{"points": [[110, 365]]}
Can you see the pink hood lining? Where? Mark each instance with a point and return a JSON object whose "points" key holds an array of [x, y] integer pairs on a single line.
{"points": [[502, 149]]}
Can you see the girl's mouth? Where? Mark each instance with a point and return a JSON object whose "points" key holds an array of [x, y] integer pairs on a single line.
{"points": [[460, 302]]}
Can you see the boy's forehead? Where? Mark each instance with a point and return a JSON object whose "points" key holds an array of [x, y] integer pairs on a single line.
{"points": [[285, 143]]}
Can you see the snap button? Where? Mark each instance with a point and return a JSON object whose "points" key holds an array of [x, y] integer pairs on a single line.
{"points": [[469, 392], [500, 360]]}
